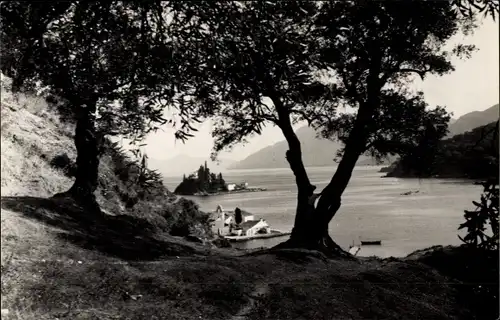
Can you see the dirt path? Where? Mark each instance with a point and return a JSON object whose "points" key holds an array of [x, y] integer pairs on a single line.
{"points": [[258, 294]]}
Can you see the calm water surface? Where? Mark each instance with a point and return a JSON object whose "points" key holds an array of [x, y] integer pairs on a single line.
{"points": [[372, 207]]}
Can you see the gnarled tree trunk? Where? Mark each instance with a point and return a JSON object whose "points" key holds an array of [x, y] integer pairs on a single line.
{"points": [[311, 223], [305, 188], [311, 231], [87, 160]]}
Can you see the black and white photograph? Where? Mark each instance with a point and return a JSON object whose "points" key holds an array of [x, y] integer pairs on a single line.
{"points": [[250, 160]]}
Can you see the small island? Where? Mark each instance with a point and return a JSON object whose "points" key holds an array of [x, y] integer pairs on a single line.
{"points": [[206, 183]]}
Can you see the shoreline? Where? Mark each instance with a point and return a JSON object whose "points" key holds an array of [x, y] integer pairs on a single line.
{"points": [[274, 234], [435, 177], [219, 193]]}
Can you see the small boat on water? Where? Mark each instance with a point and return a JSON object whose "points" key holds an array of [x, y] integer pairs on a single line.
{"points": [[371, 242]]}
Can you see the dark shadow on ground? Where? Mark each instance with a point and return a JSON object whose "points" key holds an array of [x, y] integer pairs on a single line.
{"points": [[477, 272], [122, 236]]}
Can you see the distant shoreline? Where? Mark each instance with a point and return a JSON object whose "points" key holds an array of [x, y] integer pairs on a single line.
{"points": [[330, 166], [175, 176], [219, 193]]}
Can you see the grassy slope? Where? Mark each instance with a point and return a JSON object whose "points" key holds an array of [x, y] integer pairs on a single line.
{"points": [[60, 262]]}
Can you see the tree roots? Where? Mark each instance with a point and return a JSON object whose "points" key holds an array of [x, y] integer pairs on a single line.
{"points": [[325, 245]]}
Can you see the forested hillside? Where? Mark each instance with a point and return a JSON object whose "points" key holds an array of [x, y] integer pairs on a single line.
{"points": [[472, 155]]}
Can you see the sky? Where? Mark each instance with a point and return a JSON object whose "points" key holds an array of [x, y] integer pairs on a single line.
{"points": [[474, 85]]}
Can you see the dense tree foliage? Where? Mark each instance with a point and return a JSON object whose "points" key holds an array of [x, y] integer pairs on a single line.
{"points": [[280, 63]]}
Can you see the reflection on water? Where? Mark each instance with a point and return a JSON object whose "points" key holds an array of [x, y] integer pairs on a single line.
{"points": [[372, 207]]}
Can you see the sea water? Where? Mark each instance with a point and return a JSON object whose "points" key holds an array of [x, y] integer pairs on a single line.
{"points": [[373, 207]]}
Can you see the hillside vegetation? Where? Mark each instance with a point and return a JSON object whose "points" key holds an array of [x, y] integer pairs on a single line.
{"points": [[38, 155], [468, 155], [60, 262]]}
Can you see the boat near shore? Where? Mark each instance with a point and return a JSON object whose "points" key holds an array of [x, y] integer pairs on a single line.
{"points": [[371, 242]]}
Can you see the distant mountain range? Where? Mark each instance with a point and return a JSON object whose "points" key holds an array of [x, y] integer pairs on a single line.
{"points": [[472, 120], [184, 164], [320, 152], [315, 153]]}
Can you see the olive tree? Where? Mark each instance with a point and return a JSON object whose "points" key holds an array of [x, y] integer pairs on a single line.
{"points": [[279, 63], [110, 62]]}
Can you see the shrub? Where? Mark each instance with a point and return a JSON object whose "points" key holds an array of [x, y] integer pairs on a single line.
{"points": [[222, 243], [185, 218], [477, 221], [128, 184], [64, 163]]}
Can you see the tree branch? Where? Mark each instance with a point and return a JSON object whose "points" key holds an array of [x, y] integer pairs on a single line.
{"points": [[421, 73], [294, 154], [349, 85]]}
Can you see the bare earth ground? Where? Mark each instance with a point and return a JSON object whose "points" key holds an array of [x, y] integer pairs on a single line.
{"points": [[59, 262], [46, 274]]}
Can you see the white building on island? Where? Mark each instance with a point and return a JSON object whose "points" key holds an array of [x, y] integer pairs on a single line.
{"points": [[224, 223], [234, 186], [252, 228]]}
